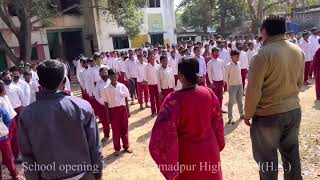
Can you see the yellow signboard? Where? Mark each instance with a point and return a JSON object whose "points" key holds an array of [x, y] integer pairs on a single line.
{"points": [[138, 41], [155, 22]]}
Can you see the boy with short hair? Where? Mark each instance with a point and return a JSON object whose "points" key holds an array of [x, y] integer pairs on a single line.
{"points": [[166, 82], [233, 79], [115, 97]]}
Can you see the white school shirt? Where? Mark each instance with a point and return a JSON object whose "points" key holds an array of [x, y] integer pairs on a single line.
{"points": [[141, 69], [34, 76], [79, 69], [86, 81], [314, 41], [24, 86], [15, 95], [202, 66], [307, 49], [132, 68], [6, 104], [115, 96], [224, 54], [150, 74], [33, 90], [173, 63], [99, 90], [215, 70], [165, 78], [250, 55], [244, 64], [112, 63]]}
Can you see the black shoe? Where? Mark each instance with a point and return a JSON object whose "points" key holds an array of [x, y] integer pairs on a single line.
{"points": [[231, 122], [242, 117], [18, 160]]}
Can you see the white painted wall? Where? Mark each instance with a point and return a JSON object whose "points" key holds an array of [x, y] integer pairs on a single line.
{"points": [[106, 28]]}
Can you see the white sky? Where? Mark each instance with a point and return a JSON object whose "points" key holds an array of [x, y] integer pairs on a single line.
{"points": [[177, 2]]}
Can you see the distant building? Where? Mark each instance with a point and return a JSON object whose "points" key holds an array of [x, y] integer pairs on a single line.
{"points": [[86, 31], [306, 17]]}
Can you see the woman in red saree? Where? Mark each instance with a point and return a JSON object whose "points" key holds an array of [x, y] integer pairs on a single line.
{"points": [[316, 64], [188, 135]]}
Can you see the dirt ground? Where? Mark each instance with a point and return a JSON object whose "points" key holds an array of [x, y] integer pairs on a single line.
{"points": [[237, 161]]}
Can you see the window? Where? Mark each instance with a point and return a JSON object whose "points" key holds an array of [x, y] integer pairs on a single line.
{"points": [[34, 54], [120, 42], [154, 3], [157, 39]]}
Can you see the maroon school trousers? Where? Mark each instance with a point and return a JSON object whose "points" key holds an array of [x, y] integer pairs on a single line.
{"points": [[119, 124], [244, 74], [307, 69], [154, 98], [218, 90], [317, 83], [165, 93], [143, 93], [7, 157], [13, 133], [102, 113]]}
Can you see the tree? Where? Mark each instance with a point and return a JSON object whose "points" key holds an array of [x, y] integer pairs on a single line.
{"points": [[197, 14], [30, 13]]}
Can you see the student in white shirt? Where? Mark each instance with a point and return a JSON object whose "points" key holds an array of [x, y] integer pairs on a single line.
{"points": [[166, 82], [22, 84], [173, 63], [202, 66], [233, 79], [244, 64], [216, 74], [305, 45], [313, 39], [131, 73], [84, 80], [116, 100], [224, 54], [34, 75], [101, 111], [16, 98], [143, 91], [152, 80], [32, 85], [5, 102], [251, 52]]}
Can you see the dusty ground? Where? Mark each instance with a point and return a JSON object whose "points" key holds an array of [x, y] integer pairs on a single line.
{"points": [[237, 161]]}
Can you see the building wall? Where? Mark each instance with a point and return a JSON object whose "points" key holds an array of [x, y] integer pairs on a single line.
{"points": [[106, 28]]}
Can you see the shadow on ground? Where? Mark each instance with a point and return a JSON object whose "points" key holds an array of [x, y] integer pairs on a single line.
{"points": [[228, 129]]}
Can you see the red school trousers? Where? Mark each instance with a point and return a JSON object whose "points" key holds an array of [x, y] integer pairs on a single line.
{"points": [[7, 158], [143, 93], [317, 83], [218, 90], [244, 74], [154, 98], [165, 93], [102, 113], [119, 124], [13, 133]]}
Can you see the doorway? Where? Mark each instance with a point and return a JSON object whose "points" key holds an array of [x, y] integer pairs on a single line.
{"points": [[157, 39]]}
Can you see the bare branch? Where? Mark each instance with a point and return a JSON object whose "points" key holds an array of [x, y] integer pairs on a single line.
{"points": [[5, 47], [7, 19]]}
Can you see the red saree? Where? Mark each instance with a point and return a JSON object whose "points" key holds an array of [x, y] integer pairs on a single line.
{"points": [[316, 65], [188, 136]]}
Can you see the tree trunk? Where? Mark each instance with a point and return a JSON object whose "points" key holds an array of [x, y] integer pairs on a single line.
{"points": [[223, 12], [25, 40], [255, 24]]}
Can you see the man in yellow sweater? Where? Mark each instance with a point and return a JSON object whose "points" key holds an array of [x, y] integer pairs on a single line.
{"points": [[272, 102]]}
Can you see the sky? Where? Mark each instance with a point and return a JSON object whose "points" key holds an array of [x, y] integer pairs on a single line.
{"points": [[177, 2]]}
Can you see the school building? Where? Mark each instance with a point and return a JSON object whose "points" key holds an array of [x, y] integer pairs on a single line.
{"points": [[87, 29]]}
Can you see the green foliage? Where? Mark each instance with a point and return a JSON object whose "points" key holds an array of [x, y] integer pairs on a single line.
{"points": [[196, 14], [127, 14], [42, 9]]}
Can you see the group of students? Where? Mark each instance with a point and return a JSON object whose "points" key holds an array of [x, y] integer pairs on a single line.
{"points": [[18, 87]]}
